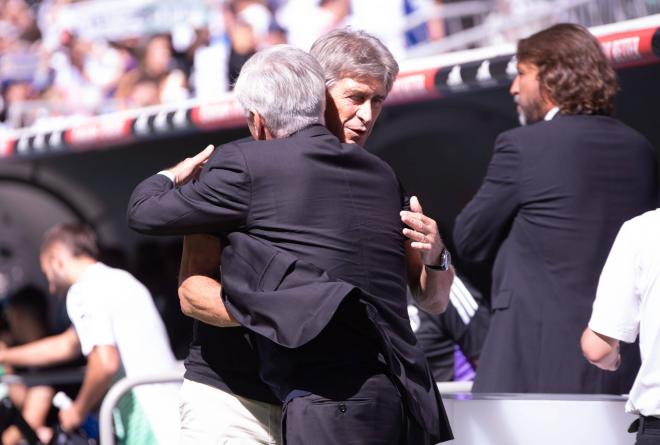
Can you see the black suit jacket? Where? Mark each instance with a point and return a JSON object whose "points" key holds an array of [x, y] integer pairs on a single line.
{"points": [[315, 262], [553, 199]]}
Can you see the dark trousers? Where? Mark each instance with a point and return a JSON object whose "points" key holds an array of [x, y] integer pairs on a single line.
{"points": [[373, 415], [648, 430]]}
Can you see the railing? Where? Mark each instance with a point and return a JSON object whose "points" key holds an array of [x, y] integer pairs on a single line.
{"points": [[118, 390], [480, 23]]}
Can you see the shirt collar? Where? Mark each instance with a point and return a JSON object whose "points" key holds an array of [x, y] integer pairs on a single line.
{"points": [[551, 113]]}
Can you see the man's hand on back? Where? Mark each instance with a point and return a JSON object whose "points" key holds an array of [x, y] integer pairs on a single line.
{"points": [[189, 168]]}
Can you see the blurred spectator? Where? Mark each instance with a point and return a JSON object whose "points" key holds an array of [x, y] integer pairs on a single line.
{"points": [[14, 93], [26, 313], [157, 79], [320, 16], [72, 84], [115, 325], [19, 15]]}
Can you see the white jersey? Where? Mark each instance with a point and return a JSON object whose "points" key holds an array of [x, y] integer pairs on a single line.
{"points": [[628, 303], [110, 307]]}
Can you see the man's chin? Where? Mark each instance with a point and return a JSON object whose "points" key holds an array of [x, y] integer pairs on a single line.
{"points": [[354, 138]]}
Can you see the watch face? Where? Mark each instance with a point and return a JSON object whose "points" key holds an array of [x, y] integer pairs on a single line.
{"points": [[445, 259]]}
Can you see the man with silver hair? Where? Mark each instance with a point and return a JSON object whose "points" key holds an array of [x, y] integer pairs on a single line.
{"points": [[222, 397], [354, 104], [359, 74]]}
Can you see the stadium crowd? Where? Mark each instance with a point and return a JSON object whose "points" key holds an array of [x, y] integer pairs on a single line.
{"points": [[63, 58]]}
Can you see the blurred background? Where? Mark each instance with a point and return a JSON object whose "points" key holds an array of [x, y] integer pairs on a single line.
{"points": [[64, 59]]}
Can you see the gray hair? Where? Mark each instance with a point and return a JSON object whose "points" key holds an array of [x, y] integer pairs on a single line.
{"points": [[349, 53], [285, 86]]}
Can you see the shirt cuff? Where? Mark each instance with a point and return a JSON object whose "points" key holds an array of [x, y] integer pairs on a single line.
{"points": [[168, 174]]}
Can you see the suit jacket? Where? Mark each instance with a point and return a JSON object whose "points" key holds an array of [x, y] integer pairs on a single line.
{"points": [[315, 260], [553, 199]]}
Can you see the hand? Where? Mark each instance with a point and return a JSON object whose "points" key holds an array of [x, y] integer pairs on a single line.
{"points": [[423, 232], [190, 168], [44, 433], [70, 418]]}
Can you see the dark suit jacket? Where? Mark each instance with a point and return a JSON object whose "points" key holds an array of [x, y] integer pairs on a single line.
{"points": [[553, 199], [315, 261]]}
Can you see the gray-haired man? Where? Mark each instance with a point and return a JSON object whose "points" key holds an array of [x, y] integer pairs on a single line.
{"points": [[359, 74]]}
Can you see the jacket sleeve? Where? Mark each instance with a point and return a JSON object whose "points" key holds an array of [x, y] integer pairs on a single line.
{"points": [[218, 201], [486, 220]]}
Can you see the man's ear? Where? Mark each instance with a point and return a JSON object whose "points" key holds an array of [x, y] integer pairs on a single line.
{"points": [[546, 98], [260, 131]]}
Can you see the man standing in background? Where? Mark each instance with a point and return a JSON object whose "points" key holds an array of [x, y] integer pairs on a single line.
{"points": [[627, 304], [555, 194]]}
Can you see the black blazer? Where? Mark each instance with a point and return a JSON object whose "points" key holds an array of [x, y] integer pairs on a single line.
{"points": [[310, 222], [553, 199]]}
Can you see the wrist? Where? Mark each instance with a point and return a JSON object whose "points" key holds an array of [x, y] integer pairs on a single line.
{"points": [[442, 263], [79, 409], [168, 174]]}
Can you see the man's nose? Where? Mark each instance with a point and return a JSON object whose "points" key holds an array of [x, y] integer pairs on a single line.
{"points": [[365, 112], [514, 87]]}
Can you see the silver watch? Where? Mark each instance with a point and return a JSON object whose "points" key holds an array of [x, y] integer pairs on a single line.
{"points": [[445, 261]]}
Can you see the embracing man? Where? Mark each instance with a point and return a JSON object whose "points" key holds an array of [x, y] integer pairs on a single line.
{"points": [[314, 259]]}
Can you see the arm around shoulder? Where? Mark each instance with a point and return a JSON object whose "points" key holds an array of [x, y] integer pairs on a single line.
{"points": [[199, 287], [218, 200]]}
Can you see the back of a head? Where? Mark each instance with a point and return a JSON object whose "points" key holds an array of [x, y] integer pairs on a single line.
{"points": [[356, 54], [285, 86], [31, 302], [79, 239], [573, 69]]}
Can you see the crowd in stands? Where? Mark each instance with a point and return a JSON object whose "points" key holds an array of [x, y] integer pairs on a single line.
{"points": [[66, 59]]}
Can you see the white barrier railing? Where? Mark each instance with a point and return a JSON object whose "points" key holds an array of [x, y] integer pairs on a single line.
{"points": [[512, 419], [118, 390], [539, 419]]}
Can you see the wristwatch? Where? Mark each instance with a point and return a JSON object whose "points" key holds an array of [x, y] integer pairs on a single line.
{"points": [[445, 261]]}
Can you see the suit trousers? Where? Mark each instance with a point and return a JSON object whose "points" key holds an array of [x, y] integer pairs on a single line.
{"points": [[648, 430], [374, 415]]}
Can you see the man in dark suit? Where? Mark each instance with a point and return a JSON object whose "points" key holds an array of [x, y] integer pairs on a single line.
{"points": [[554, 196], [313, 261]]}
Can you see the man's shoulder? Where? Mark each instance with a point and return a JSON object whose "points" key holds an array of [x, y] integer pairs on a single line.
{"points": [[564, 126], [99, 279], [309, 136], [535, 130], [367, 157]]}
